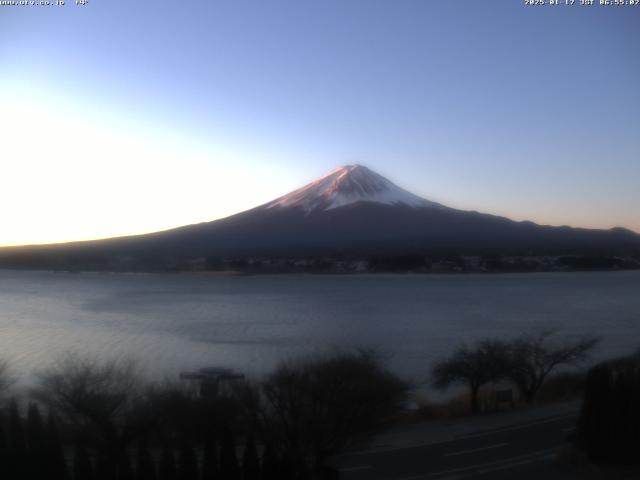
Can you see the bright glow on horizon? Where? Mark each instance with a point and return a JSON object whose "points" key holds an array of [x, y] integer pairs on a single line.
{"points": [[69, 175]]}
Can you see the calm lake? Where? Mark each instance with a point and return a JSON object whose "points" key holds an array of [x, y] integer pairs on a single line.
{"points": [[170, 323]]}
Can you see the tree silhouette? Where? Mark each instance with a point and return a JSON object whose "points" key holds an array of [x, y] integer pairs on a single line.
{"points": [[106, 466], [4, 451], [6, 380], [270, 465], [250, 461], [125, 472], [321, 404], [56, 463], [229, 468], [18, 460], [145, 468], [210, 470], [167, 469], [82, 468], [533, 357], [474, 366], [593, 424], [93, 395], [187, 460], [36, 437], [609, 423], [37, 443]]}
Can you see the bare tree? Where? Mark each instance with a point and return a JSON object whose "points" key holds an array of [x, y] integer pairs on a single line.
{"points": [[93, 395], [317, 406], [6, 379], [84, 388], [533, 357], [474, 366]]}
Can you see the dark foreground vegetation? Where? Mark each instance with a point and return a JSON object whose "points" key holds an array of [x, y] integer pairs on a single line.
{"points": [[103, 423], [91, 420], [609, 425]]}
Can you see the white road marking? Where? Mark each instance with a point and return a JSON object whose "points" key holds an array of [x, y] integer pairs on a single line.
{"points": [[485, 467], [353, 469], [526, 461], [488, 447]]}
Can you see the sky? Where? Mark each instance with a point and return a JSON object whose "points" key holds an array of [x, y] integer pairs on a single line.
{"points": [[122, 117]]}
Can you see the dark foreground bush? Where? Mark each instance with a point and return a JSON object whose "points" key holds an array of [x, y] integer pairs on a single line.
{"points": [[563, 386], [315, 407], [609, 424], [110, 425]]}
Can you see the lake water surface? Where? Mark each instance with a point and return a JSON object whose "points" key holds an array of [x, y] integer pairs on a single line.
{"points": [[170, 323]]}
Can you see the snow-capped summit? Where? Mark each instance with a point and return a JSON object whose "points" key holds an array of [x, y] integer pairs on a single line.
{"points": [[346, 185]]}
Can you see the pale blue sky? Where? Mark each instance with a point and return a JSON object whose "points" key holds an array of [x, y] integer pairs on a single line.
{"points": [[124, 117]]}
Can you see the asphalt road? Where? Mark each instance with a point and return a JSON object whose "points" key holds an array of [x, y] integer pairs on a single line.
{"points": [[473, 456]]}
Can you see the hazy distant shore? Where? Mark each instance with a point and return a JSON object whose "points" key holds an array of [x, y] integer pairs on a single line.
{"points": [[401, 264]]}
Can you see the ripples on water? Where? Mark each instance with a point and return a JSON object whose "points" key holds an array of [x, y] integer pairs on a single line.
{"points": [[169, 323]]}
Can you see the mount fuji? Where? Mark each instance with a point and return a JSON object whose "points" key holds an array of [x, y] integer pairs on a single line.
{"points": [[348, 185], [351, 212]]}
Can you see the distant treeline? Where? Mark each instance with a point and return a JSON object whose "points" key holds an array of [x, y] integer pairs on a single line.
{"points": [[92, 259], [414, 263]]}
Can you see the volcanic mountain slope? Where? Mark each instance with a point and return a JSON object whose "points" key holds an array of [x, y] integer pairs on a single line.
{"points": [[351, 212]]}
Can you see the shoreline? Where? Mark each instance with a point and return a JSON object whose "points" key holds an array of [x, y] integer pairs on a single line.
{"points": [[239, 273]]}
